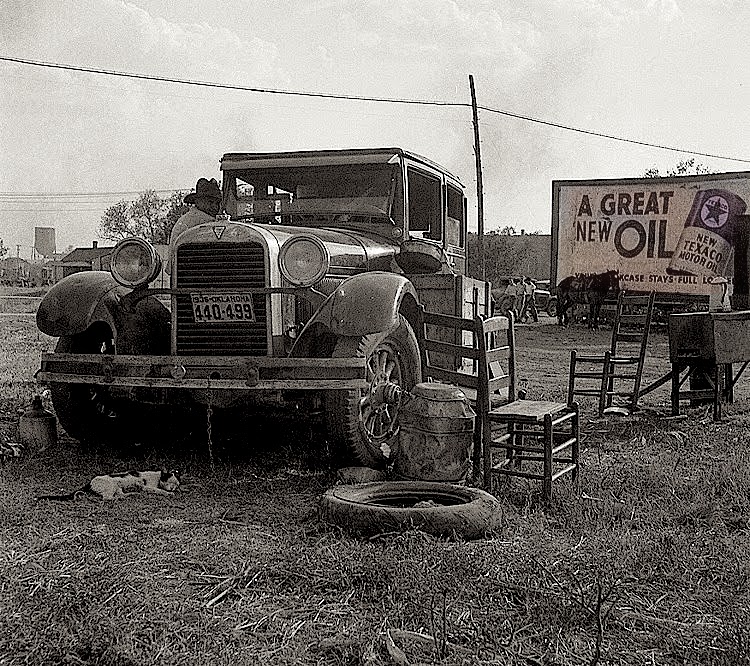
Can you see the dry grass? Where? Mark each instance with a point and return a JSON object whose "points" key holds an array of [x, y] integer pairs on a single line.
{"points": [[646, 562]]}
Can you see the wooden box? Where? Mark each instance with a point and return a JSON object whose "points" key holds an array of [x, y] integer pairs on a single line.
{"points": [[714, 337]]}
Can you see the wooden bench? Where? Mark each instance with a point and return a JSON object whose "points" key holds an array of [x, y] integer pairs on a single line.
{"points": [[478, 355]]}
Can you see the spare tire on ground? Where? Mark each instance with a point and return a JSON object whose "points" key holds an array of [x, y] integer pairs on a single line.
{"points": [[442, 509]]}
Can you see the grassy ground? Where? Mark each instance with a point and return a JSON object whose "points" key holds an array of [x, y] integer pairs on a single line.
{"points": [[645, 562]]}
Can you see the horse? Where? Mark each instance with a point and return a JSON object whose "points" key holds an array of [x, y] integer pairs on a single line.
{"points": [[589, 289]]}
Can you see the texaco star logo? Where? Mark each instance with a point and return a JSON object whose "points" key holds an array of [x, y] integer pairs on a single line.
{"points": [[715, 212]]}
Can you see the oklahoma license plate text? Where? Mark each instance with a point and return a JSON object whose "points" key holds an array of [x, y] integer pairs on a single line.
{"points": [[222, 308]]}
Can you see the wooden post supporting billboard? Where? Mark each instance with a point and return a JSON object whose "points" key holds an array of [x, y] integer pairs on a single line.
{"points": [[741, 283]]}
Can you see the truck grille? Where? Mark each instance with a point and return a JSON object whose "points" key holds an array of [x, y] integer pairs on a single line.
{"points": [[231, 267]]}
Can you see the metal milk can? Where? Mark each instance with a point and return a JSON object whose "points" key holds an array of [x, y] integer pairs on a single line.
{"points": [[435, 434], [37, 428]]}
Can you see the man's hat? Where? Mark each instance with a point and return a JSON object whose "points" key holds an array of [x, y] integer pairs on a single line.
{"points": [[204, 189]]}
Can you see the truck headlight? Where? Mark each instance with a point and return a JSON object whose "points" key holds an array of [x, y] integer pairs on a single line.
{"points": [[304, 261], [134, 262]]}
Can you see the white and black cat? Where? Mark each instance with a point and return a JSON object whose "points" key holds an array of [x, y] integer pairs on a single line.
{"points": [[112, 486]]}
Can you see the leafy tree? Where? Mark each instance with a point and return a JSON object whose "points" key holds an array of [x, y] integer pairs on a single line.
{"points": [[3, 249], [502, 256], [149, 216], [687, 167]]}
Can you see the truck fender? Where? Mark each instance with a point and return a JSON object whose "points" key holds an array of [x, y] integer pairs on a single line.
{"points": [[364, 304], [76, 302]]}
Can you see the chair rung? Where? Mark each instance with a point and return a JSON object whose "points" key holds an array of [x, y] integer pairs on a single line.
{"points": [[629, 337], [689, 395], [586, 391], [520, 447], [497, 442], [563, 445], [564, 470], [567, 416], [588, 375], [589, 359], [526, 432], [525, 457], [525, 475]]}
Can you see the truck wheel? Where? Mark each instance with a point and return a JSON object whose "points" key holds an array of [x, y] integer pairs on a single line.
{"points": [[441, 509], [366, 421], [86, 411]]}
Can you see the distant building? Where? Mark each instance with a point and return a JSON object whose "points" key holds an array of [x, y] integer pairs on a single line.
{"points": [[15, 271], [92, 258], [97, 258]]}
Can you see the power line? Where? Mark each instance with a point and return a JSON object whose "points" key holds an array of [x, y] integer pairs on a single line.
{"points": [[226, 86], [603, 135], [363, 98], [83, 194]]}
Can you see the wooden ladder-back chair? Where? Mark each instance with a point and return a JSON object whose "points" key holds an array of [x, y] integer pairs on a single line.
{"points": [[617, 373], [533, 431]]}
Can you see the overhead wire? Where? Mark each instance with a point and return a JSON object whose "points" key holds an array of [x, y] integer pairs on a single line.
{"points": [[364, 98]]}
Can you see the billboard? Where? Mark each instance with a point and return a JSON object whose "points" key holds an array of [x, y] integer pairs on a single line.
{"points": [[669, 235]]}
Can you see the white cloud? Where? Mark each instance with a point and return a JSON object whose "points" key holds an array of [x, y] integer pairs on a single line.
{"points": [[670, 71]]}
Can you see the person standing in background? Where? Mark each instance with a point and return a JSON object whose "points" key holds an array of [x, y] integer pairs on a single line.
{"points": [[510, 301], [529, 306]]}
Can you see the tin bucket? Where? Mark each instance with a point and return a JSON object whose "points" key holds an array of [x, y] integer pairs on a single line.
{"points": [[37, 428], [436, 426]]}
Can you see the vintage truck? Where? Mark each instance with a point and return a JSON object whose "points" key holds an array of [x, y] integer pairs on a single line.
{"points": [[304, 293]]}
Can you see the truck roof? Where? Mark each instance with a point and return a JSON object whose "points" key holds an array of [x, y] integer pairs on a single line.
{"points": [[325, 158]]}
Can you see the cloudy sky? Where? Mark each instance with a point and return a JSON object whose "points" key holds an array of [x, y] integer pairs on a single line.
{"points": [[669, 72]]}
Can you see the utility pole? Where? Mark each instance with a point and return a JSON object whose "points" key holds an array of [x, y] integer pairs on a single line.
{"points": [[480, 193]]}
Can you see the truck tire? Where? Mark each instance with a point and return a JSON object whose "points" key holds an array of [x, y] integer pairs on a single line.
{"points": [[441, 509], [360, 419], [86, 411]]}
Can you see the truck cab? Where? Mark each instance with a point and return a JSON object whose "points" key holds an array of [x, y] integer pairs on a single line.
{"points": [[307, 287]]}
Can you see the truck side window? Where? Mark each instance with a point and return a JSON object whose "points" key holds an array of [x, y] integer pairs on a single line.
{"points": [[454, 222], [425, 210]]}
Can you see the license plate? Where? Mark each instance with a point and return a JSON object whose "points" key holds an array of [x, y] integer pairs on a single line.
{"points": [[222, 308]]}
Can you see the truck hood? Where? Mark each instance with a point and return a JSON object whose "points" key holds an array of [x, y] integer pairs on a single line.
{"points": [[347, 248]]}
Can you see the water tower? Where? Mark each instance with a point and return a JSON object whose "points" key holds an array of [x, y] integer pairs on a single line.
{"points": [[44, 241]]}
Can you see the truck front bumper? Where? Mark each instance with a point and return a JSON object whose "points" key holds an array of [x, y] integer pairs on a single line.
{"points": [[200, 372]]}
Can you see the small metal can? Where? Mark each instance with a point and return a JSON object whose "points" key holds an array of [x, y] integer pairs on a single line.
{"points": [[37, 428]]}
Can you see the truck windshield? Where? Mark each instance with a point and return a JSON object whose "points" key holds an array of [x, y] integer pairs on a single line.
{"points": [[331, 190]]}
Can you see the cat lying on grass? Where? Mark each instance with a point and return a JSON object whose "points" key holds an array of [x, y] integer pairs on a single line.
{"points": [[113, 486]]}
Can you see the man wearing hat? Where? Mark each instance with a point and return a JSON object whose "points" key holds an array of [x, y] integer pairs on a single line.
{"points": [[207, 200]]}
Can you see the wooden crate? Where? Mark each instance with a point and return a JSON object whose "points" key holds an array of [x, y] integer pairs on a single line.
{"points": [[457, 295]]}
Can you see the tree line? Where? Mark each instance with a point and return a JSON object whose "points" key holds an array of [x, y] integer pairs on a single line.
{"points": [[149, 216]]}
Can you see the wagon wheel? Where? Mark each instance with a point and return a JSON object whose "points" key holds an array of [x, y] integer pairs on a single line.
{"points": [[367, 421]]}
